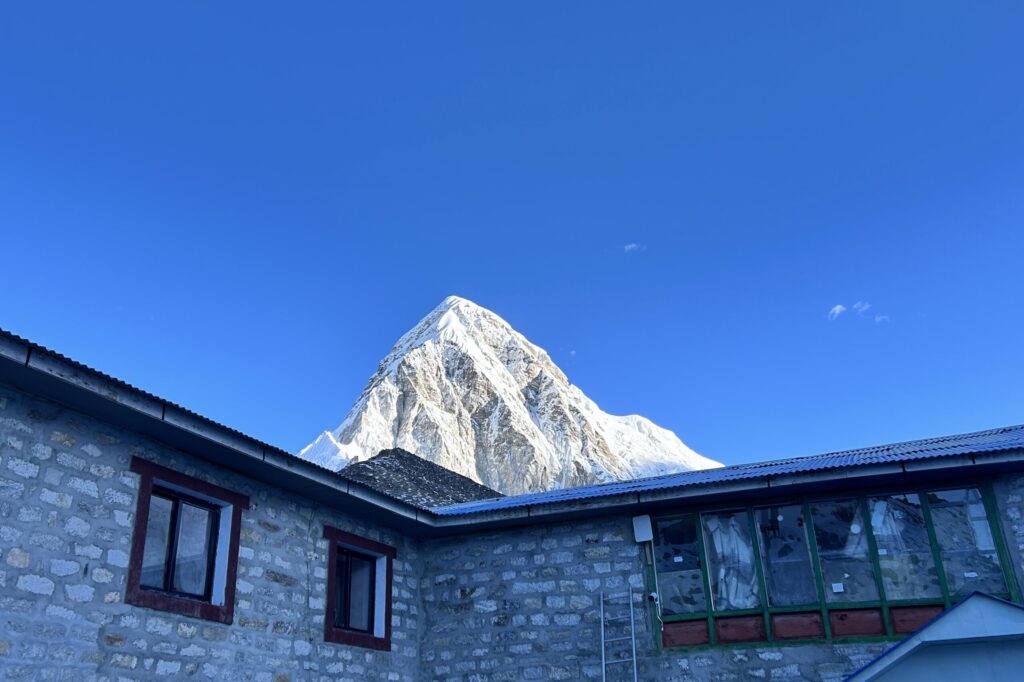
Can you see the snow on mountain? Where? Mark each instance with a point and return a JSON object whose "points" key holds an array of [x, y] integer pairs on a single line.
{"points": [[466, 391]]}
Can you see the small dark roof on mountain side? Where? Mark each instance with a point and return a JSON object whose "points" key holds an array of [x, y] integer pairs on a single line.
{"points": [[404, 476]]}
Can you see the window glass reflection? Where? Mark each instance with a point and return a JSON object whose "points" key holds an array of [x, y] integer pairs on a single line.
{"points": [[968, 549], [191, 565], [731, 567], [846, 568], [154, 552], [362, 592], [904, 548], [680, 584], [786, 556]]}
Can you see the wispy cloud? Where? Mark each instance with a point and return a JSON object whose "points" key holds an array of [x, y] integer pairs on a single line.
{"points": [[633, 247], [836, 310], [860, 307], [572, 353]]}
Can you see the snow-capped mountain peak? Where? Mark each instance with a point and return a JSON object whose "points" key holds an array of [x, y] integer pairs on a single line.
{"points": [[466, 391]]}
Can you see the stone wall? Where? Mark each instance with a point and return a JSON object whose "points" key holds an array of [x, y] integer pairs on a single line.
{"points": [[524, 605], [67, 505]]}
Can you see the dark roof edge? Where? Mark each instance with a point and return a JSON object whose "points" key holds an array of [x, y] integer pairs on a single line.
{"points": [[55, 377]]}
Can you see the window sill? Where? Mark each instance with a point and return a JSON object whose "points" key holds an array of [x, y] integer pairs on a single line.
{"points": [[360, 639], [161, 601], [781, 643]]}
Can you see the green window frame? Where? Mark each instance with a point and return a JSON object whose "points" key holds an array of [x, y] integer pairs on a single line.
{"points": [[863, 499]]}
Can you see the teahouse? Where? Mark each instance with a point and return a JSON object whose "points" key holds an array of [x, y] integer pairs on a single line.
{"points": [[138, 539]]}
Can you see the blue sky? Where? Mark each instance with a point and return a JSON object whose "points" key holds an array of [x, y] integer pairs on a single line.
{"points": [[241, 208]]}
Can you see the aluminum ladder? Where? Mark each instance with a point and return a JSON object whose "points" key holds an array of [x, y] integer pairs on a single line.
{"points": [[607, 622]]}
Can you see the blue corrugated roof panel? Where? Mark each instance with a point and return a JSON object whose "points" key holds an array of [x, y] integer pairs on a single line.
{"points": [[993, 440]]}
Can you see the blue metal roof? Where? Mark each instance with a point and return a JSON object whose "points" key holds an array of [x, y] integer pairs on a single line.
{"points": [[993, 440]]}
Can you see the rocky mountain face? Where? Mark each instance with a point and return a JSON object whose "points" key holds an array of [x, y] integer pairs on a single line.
{"points": [[466, 391]]}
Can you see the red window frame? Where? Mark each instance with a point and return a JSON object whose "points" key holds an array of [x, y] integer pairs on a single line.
{"points": [[358, 545], [151, 475]]}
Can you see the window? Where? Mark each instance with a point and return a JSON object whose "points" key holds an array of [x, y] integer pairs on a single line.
{"points": [[181, 536], [904, 550], [787, 561], [731, 561], [358, 591], [846, 568], [876, 565], [354, 590], [968, 548], [680, 582], [185, 549]]}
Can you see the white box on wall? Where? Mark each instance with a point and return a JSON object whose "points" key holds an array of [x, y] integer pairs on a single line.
{"points": [[642, 531]]}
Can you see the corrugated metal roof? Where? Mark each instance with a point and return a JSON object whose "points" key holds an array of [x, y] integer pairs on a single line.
{"points": [[993, 440]]}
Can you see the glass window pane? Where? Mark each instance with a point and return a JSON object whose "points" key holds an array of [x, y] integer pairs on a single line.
{"points": [[786, 556], [361, 595], [680, 584], [965, 538], [340, 588], [154, 552], [904, 550], [730, 561], [191, 563], [846, 568]]}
